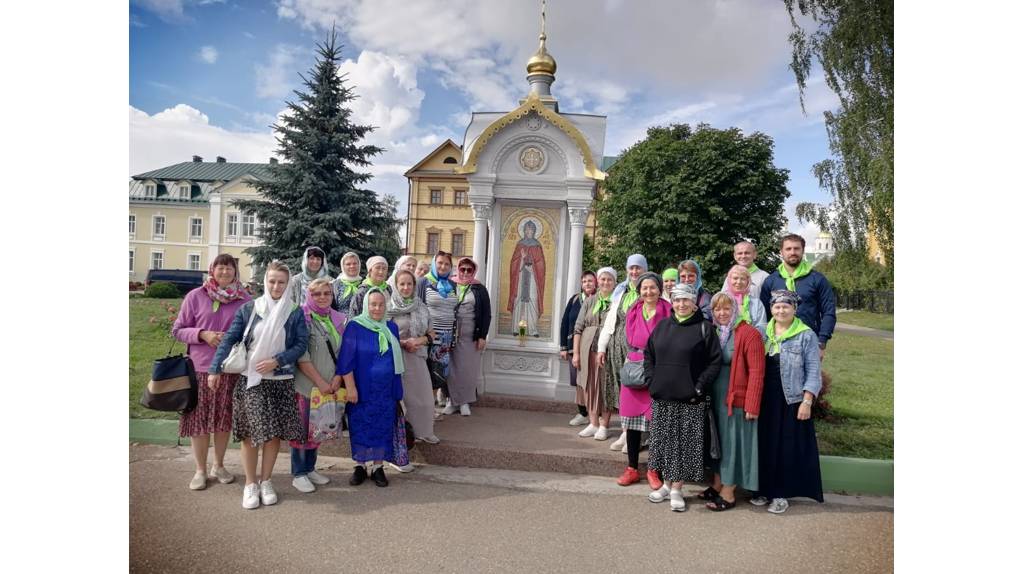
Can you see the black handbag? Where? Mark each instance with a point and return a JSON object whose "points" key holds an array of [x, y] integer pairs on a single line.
{"points": [[711, 431], [173, 386]]}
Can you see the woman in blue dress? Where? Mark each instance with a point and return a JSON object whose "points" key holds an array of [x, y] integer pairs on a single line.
{"points": [[370, 365]]}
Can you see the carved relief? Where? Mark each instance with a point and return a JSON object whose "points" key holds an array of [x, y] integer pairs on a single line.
{"points": [[519, 363], [481, 210], [578, 216], [531, 158]]}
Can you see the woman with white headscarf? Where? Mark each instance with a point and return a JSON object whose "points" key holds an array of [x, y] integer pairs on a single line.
{"points": [[412, 318], [314, 266], [376, 278], [347, 282], [404, 263], [593, 379], [263, 405]]}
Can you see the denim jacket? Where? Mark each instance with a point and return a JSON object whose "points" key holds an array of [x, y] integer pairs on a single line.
{"points": [[296, 340], [800, 364]]}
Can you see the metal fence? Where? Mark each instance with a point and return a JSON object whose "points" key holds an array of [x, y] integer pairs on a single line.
{"points": [[874, 301]]}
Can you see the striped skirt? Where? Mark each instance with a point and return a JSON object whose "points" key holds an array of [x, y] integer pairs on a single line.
{"points": [[213, 411]]}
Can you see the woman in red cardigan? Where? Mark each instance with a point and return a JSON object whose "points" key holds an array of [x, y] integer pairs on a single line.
{"points": [[737, 399]]}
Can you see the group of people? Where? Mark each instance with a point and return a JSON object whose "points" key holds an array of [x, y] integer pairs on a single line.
{"points": [[382, 344], [722, 384]]}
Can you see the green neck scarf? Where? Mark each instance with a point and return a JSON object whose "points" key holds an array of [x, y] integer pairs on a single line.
{"points": [[753, 268], [325, 320], [801, 270], [774, 345], [216, 305], [629, 297], [461, 290], [648, 314], [682, 319], [602, 303], [385, 338], [371, 283], [351, 286], [744, 314]]}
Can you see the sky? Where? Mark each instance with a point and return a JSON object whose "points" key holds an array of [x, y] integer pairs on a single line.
{"points": [[209, 77]]}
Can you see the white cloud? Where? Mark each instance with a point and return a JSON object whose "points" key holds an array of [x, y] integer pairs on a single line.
{"points": [[278, 75], [208, 54], [168, 10], [388, 96], [176, 134]]}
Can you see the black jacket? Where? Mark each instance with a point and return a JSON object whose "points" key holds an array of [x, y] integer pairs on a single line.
{"points": [[572, 311], [680, 360], [481, 311]]}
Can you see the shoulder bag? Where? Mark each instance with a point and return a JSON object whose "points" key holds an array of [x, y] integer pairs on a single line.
{"points": [[238, 358], [173, 386]]}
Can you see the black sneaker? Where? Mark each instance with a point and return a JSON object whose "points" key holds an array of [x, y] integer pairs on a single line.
{"points": [[358, 476], [378, 477]]}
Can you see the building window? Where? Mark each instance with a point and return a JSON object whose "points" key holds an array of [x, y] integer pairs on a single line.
{"points": [[460, 197], [159, 227], [433, 242], [232, 224], [436, 196], [156, 260], [195, 227], [248, 224], [458, 244], [450, 160], [150, 190], [184, 192], [193, 261], [131, 260], [131, 224]]}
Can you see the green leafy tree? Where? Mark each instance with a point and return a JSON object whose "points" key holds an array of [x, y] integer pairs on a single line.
{"points": [[853, 43], [692, 193], [315, 196]]}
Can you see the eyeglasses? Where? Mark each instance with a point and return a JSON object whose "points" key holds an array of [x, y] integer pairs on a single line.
{"points": [[466, 269]]}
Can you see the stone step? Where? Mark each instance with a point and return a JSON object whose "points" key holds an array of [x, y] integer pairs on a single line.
{"points": [[512, 439]]}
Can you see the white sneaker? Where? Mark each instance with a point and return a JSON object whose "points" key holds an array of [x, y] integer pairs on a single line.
{"points": [[464, 410], [601, 434], [405, 468], [778, 506], [267, 494], [676, 501], [759, 501], [317, 478], [251, 496], [578, 420], [659, 495], [198, 481], [588, 432], [432, 439], [620, 443], [449, 408], [223, 476], [302, 484]]}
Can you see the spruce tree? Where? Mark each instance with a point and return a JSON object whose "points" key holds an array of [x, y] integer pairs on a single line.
{"points": [[314, 195]]}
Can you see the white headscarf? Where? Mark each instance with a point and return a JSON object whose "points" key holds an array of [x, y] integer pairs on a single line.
{"points": [[398, 267], [271, 336]]}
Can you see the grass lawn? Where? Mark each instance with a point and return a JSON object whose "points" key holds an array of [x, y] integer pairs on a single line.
{"points": [[881, 321], [147, 342], [861, 395]]}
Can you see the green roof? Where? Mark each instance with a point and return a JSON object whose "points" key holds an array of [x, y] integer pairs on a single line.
{"points": [[206, 171], [607, 161]]}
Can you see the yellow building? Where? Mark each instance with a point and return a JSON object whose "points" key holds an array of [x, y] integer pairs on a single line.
{"points": [[181, 216], [439, 216]]}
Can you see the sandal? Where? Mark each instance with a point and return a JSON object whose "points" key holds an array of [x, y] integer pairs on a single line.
{"points": [[719, 504], [709, 494]]}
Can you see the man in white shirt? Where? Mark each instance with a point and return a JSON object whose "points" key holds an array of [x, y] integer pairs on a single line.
{"points": [[745, 253]]}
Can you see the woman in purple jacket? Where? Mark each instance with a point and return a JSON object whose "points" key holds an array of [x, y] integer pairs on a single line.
{"points": [[205, 315]]}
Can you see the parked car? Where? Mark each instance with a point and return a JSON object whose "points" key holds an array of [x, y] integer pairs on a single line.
{"points": [[184, 279]]}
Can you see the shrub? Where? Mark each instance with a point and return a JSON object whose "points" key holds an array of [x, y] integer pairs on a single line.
{"points": [[822, 409], [162, 290]]}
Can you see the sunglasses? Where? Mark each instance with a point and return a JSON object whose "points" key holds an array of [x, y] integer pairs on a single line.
{"points": [[466, 269]]}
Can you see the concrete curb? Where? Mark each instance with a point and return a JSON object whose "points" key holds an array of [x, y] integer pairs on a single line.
{"points": [[839, 475]]}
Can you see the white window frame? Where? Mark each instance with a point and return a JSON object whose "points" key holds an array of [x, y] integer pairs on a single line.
{"points": [[132, 224], [251, 225], [191, 235], [131, 260], [199, 261], [460, 197], [152, 261], [228, 224], [150, 190], [184, 192], [163, 221]]}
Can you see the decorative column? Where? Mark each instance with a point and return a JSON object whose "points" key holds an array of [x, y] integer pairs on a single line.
{"points": [[578, 223], [213, 249], [481, 218]]}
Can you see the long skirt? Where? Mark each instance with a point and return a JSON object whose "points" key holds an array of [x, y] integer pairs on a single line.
{"points": [[737, 437], [616, 357], [213, 411], [593, 389], [788, 464], [265, 412], [465, 365], [677, 441], [418, 397]]}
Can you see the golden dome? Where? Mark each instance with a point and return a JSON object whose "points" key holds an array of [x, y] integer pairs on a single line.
{"points": [[541, 62]]}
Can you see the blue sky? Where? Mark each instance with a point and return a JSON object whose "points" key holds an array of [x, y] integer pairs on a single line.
{"points": [[208, 77]]}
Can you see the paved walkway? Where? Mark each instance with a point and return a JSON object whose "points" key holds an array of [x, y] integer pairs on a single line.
{"points": [[490, 521], [866, 331]]}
